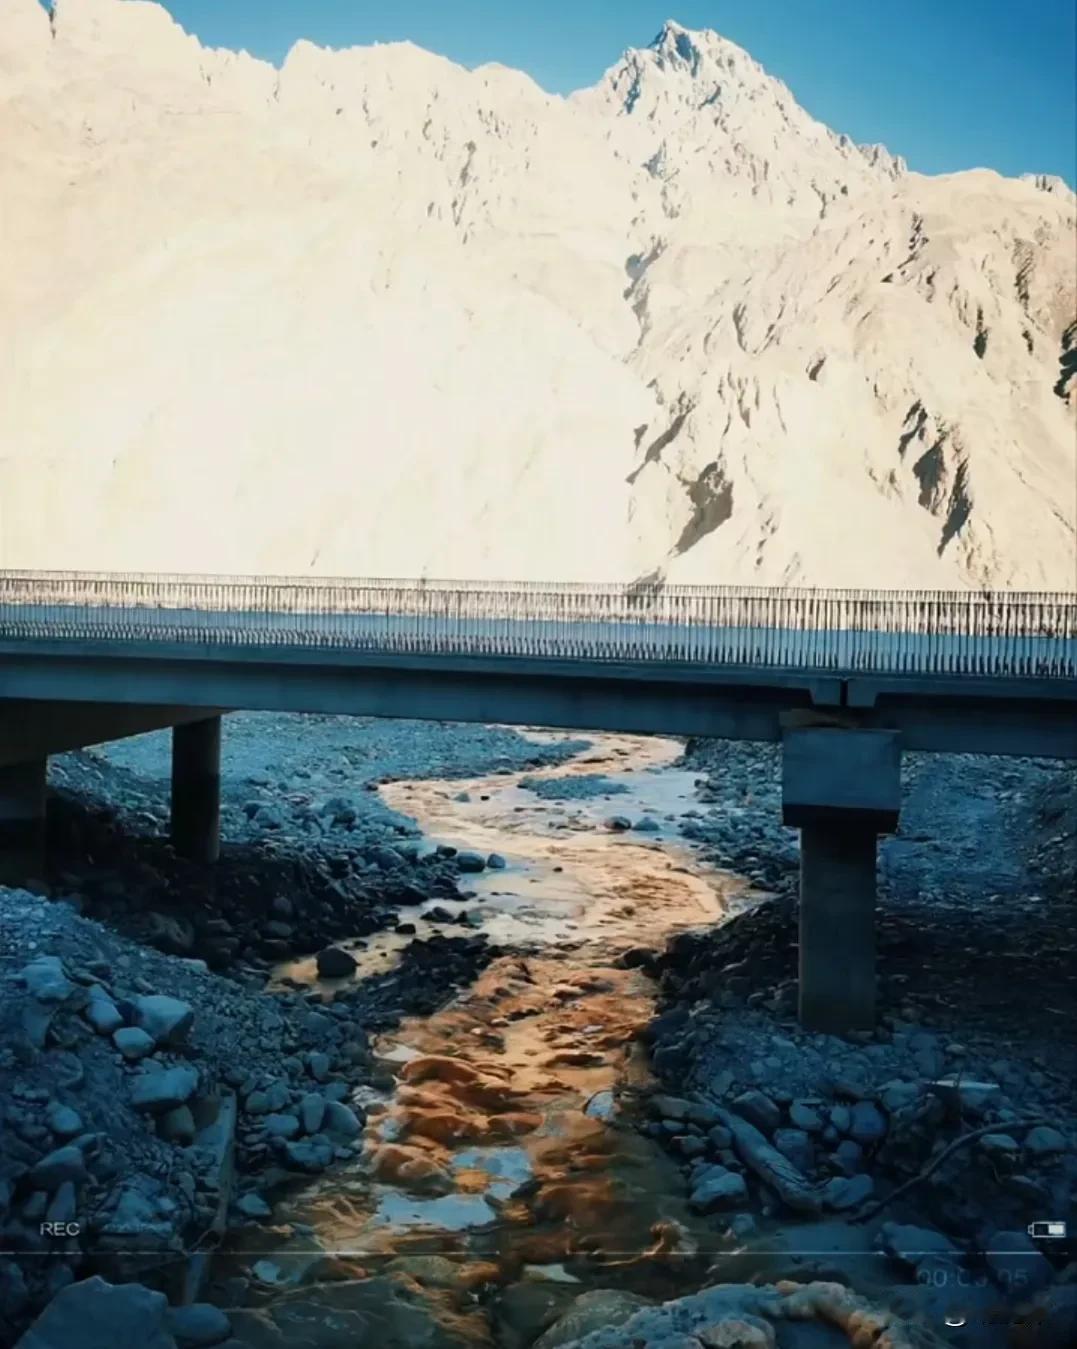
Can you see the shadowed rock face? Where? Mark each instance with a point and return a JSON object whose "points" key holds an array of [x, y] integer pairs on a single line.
{"points": [[368, 314]]}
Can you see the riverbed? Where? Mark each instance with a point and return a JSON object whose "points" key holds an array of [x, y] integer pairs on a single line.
{"points": [[505, 1134]]}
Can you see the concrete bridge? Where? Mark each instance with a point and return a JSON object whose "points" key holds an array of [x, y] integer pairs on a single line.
{"points": [[843, 679]]}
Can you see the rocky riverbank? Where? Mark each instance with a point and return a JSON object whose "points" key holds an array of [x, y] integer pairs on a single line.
{"points": [[150, 1088], [920, 1154], [382, 1071]]}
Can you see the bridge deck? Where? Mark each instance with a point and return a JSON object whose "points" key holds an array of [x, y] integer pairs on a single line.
{"points": [[907, 633]]}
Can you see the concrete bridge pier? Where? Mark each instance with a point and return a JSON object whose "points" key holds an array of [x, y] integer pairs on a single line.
{"points": [[196, 789], [22, 821], [841, 788]]}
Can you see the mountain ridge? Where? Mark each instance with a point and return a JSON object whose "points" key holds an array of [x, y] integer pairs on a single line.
{"points": [[374, 313]]}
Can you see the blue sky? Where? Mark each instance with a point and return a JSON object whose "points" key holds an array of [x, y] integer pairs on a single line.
{"points": [[949, 84]]}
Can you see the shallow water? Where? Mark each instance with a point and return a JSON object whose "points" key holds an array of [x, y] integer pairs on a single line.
{"points": [[506, 1139]]}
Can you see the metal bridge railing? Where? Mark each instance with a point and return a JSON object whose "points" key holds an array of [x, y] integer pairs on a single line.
{"points": [[918, 632]]}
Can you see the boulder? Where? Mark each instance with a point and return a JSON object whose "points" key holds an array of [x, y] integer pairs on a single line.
{"points": [[335, 963], [846, 1192], [166, 1020], [252, 1205], [341, 1121], [133, 1042], [790, 1184], [63, 1121], [1043, 1141], [281, 1126], [94, 1314], [600, 1309], [309, 1154], [311, 1112], [470, 861], [45, 979], [718, 1189], [103, 1015], [199, 1325], [867, 1124], [758, 1109], [66, 1163], [163, 1089]]}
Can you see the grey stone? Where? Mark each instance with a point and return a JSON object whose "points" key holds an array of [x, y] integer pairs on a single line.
{"points": [[340, 1121], [133, 1042], [807, 1117], [45, 979], [310, 1154], [999, 1147], [274, 1098], [281, 1126], [841, 1117], [797, 1146], [848, 1157], [912, 1245], [867, 1124], [198, 1325], [1043, 1141], [790, 1184], [161, 1090], [618, 823], [311, 1112], [758, 1109], [845, 1192], [496, 862], [66, 1163], [63, 1121], [318, 1065], [718, 1189], [253, 1206], [103, 1015], [470, 861], [93, 1314], [670, 1107], [167, 1020], [599, 1309]]}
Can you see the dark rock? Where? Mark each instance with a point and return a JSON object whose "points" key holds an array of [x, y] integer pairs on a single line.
{"points": [[198, 1325], [758, 1109], [166, 1020], [845, 1192], [160, 1090], [335, 963], [133, 1042], [66, 1163], [867, 1124], [717, 1189], [94, 1314]]}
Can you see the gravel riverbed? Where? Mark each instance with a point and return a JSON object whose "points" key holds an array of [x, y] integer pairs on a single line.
{"points": [[179, 1045]]}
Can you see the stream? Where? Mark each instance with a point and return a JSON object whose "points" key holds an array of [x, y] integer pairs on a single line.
{"points": [[501, 1150]]}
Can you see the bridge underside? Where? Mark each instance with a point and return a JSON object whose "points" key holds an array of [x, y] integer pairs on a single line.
{"points": [[1024, 716], [842, 737]]}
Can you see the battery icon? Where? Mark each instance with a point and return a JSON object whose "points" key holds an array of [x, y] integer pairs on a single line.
{"points": [[1051, 1230]]}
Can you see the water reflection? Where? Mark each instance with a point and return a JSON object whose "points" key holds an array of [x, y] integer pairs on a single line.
{"points": [[507, 1140]]}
